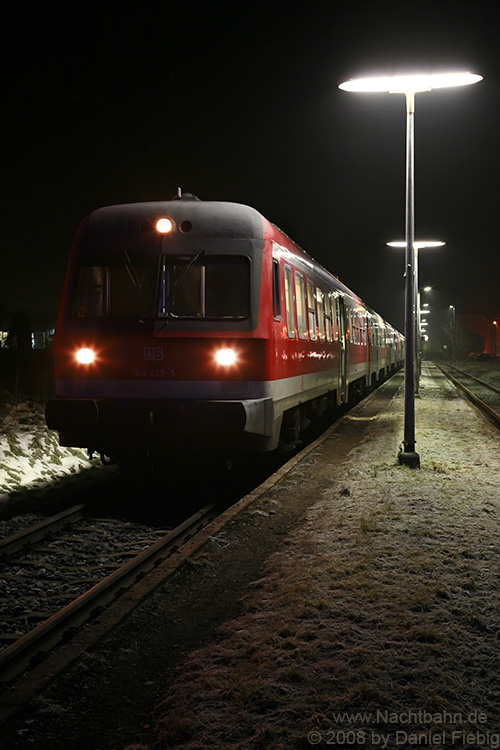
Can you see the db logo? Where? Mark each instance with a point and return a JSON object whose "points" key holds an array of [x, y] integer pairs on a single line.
{"points": [[153, 353]]}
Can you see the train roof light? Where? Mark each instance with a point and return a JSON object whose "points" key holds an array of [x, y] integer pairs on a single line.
{"points": [[164, 226]]}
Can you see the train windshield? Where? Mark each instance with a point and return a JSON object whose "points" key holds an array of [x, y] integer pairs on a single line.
{"points": [[205, 286], [116, 286]]}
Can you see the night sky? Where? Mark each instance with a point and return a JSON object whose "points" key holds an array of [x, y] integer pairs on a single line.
{"points": [[117, 102]]}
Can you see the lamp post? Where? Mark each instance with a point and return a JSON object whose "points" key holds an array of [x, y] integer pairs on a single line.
{"points": [[417, 356], [409, 85], [453, 330]]}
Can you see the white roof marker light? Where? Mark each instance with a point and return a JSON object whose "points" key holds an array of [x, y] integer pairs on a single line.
{"points": [[164, 226]]}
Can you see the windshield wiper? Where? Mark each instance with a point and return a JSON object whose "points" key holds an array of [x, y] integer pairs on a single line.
{"points": [[131, 270], [171, 291]]}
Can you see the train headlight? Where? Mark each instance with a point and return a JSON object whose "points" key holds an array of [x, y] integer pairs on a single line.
{"points": [[225, 357], [164, 226], [85, 356]]}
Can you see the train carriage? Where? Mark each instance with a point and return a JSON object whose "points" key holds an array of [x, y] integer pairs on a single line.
{"points": [[186, 323]]}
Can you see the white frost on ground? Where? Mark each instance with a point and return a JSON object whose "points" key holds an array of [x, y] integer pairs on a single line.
{"points": [[29, 452], [376, 620]]}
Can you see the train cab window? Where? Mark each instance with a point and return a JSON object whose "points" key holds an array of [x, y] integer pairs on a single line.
{"points": [[200, 286], [300, 297], [115, 286], [311, 300], [290, 317], [276, 291]]}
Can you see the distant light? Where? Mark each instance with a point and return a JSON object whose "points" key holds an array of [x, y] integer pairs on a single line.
{"points": [[407, 84], [226, 357], [164, 226], [427, 289], [85, 356]]}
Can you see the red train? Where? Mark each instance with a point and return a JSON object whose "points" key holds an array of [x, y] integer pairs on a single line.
{"points": [[186, 323]]}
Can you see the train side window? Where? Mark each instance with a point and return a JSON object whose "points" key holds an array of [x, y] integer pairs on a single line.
{"points": [[320, 307], [335, 318], [311, 305], [328, 318], [300, 297], [276, 291], [290, 317]]}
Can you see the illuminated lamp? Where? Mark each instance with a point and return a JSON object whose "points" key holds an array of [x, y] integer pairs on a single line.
{"points": [[409, 86], [225, 357], [85, 356], [164, 226]]}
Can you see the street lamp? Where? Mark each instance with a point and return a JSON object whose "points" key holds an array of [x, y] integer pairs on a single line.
{"points": [[417, 357], [453, 330], [409, 85]]}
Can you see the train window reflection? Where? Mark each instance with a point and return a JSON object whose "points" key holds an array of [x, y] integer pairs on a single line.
{"points": [[203, 286], [115, 286], [290, 317], [311, 302], [300, 296]]}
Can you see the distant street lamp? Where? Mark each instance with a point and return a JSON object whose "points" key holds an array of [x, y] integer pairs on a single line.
{"points": [[409, 85], [417, 356]]}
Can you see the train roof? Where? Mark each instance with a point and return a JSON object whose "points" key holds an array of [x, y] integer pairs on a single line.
{"points": [[190, 216], [193, 217]]}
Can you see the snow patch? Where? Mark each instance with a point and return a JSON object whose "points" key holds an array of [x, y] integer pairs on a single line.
{"points": [[30, 453]]}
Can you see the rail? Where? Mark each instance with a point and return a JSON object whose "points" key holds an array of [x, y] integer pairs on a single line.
{"points": [[490, 411], [18, 656]]}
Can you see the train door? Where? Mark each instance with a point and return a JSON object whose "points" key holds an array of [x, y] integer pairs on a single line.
{"points": [[342, 350]]}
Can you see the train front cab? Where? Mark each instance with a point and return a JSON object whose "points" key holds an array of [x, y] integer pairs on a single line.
{"points": [[191, 366]]}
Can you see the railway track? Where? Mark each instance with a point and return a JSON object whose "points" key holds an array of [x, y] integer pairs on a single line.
{"points": [[55, 576], [484, 395], [30, 627]]}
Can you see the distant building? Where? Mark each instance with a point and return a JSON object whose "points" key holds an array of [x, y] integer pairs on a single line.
{"points": [[480, 332], [42, 331]]}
